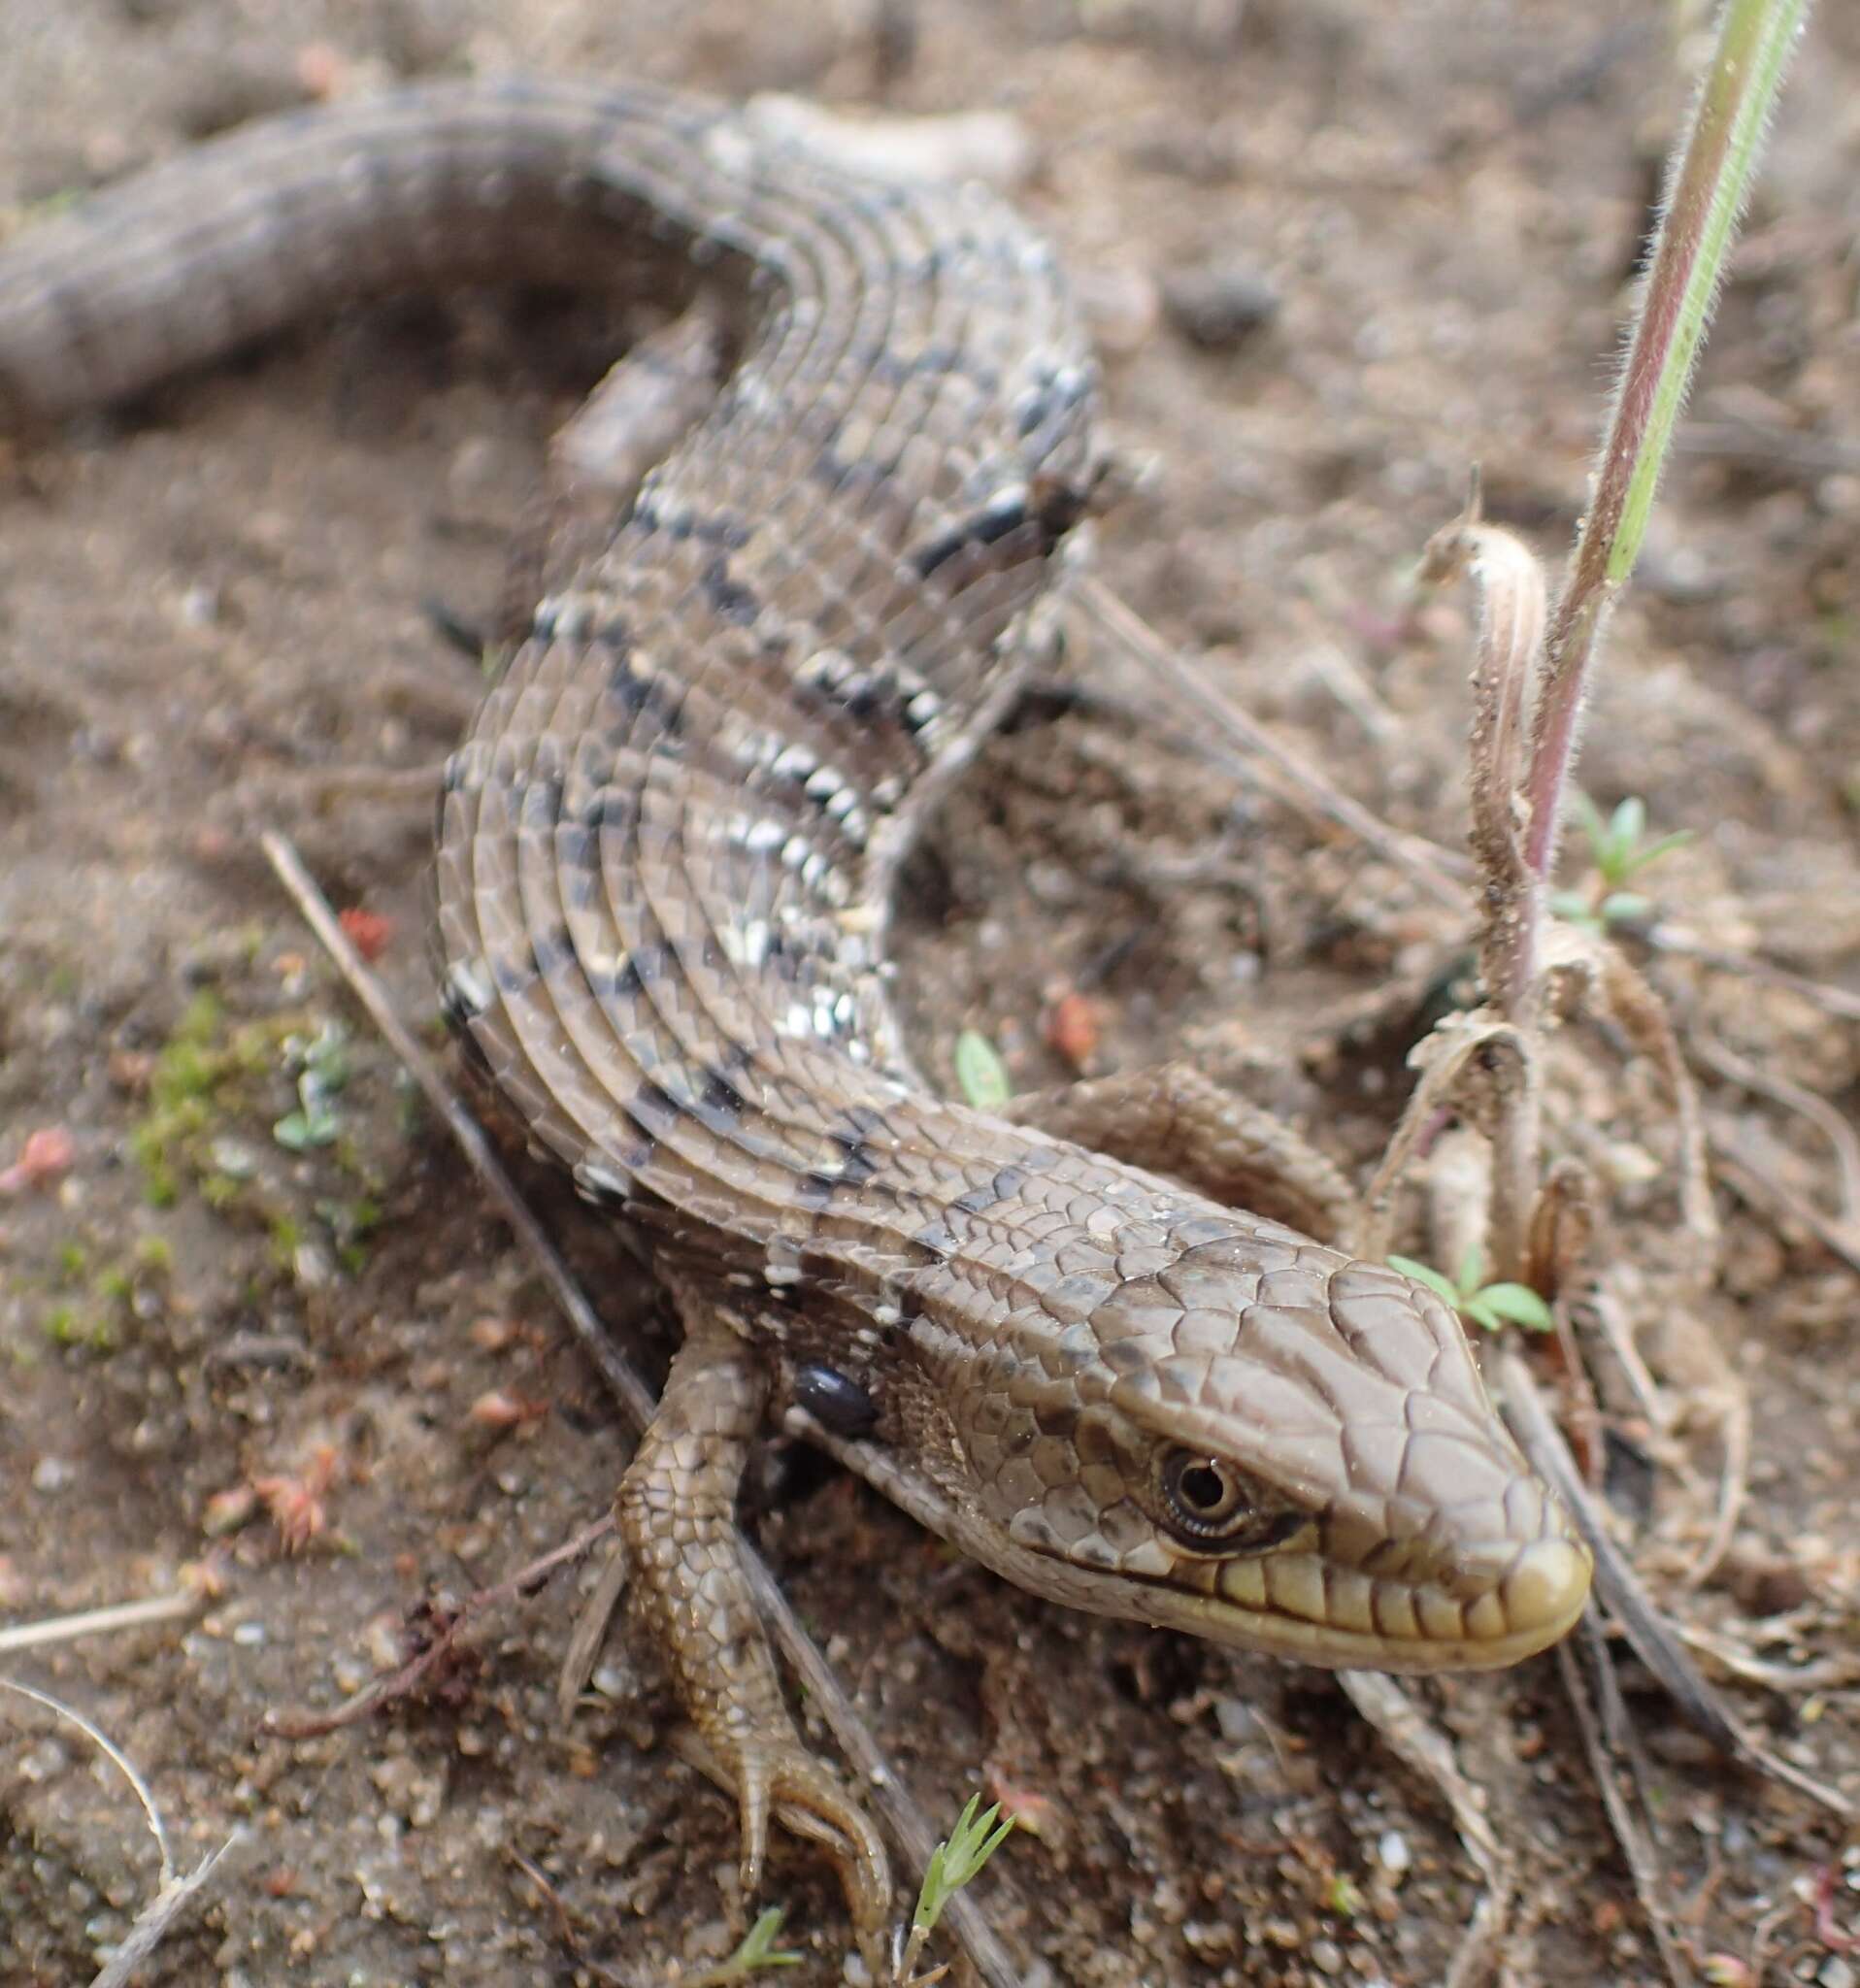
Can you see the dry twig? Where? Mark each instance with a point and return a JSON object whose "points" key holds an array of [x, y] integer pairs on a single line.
{"points": [[1681, 944], [1436, 870], [1619, 1770], [172, 1894], [394, 1685], [1640, 1617], [117, 1758], [119, 1615], [1427, 1753], [156, 1918], [1839, 1232]]}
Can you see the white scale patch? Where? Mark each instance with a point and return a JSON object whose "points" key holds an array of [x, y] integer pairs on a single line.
{"points": [[566, 617], [782, 1264], [757, 834], [596, 1182], [468, 981]]}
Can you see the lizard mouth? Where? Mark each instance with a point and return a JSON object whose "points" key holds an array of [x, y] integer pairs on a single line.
{"points": [[1486, 1607]]}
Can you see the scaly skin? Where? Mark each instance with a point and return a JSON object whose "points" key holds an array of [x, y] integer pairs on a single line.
{"points": [[664, 858]]}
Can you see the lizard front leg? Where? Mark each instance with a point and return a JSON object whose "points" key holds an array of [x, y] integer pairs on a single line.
{"points": [[1174, 1118], [676, 1512]]}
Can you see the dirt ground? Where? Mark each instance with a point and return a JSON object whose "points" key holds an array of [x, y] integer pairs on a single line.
{"points": [[1335, 250]]}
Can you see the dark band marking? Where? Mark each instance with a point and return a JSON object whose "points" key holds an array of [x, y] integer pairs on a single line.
{"points": [[643, 695], [513, 977], [814, 1190], [1054, 511], [621, 986], [576, 847], [552, 950], [937, 1241], [678, 522], [653, 1107], [1054, 397], [720, 1096], [613, 808], [540, 805], [730, 598]]}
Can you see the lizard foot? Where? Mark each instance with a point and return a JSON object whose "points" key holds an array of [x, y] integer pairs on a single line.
{"points": [[674, 1512], [771, 1773]]}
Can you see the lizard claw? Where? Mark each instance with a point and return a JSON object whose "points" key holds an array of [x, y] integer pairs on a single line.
{"points": [[777, 1775], [754, 1792], [812, 1802]]}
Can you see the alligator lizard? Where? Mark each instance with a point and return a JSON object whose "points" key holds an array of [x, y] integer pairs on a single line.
{"points": [[665, 852]]}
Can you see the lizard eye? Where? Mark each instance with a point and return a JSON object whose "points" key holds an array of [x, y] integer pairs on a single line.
{"points": [[1205, 1496], [1209, 1505]]}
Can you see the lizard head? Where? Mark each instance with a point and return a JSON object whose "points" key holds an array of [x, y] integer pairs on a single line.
{"points": [[1258, 1441]]}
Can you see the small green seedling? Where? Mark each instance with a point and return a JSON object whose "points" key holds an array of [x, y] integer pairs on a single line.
{"points": [[1618, 855], [1344, 1897], [953, 1865], [757, 1950], [325, 1070], [980, 1072], [1491, 1307]]}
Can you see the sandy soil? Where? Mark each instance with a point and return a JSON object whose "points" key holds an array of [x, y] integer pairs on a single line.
{"points": [[1418, 222]]}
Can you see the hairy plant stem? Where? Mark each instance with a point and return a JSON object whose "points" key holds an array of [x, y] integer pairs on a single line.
{"points": [[1707, 184], [1516, 815]]}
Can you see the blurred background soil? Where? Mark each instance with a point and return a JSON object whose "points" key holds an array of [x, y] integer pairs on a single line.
{"points": [[1334, 252]]}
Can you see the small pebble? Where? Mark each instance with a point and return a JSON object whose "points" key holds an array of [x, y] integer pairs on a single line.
{"points": [[1235, 1719], [200, 606], [234, 1158], [1219, 306]]}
